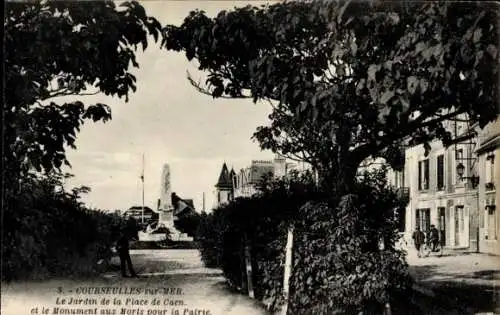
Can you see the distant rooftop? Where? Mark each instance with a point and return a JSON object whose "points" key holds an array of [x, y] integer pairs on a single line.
{"points": [[260, 169], [189, 202], [148, 209], [225, 180], [182, 205]]}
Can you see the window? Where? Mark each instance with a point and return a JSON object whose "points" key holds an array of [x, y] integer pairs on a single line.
{"points": [[398, 179], [440, 172], [491, 229], [423, 174], [490, 171], [459, 157]]}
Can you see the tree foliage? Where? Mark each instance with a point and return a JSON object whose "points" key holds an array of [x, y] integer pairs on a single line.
{"points": [[350, 80], [188, 223], [64, 48]]}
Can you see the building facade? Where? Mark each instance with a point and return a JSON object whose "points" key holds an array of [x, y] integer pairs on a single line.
{"points": [[245, 183], [138, 213], [453, 188], [489, 194], [444, 190]]}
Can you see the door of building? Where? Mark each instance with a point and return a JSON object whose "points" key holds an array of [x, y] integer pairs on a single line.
{"points": [[461, 226], [442, 225]]}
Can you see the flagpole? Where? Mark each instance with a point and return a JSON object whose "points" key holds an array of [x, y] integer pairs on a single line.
{"points": [[142, 179]]}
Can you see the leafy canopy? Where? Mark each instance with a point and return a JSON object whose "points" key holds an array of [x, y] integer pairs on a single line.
{"points": [[65, 48], [349, 80]]}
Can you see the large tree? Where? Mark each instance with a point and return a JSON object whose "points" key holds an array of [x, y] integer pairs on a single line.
{"points": [[55, 49], [55, 53], [348, 81]]}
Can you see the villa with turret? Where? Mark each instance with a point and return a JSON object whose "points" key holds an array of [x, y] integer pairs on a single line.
{"points": [[244, 183]]}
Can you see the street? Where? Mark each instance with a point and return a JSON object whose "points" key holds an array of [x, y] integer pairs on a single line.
{"points": [[296, 144], [175, 279], [466, 279]]}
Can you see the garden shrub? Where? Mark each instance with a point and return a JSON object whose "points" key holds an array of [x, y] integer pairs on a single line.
{"points": [[345, 260], [48, 232], [188, 223], [208, 240]]}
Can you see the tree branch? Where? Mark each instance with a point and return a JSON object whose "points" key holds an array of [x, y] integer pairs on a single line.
{"points": [[441, 118], [363, 151], [88, 94], [297, 158], [67, 92], [467, 136], [206, 91], [276, 108], [55, 93]]}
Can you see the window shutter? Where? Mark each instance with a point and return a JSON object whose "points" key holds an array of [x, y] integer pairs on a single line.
{"points": [[417, 218], [440, 172], [426, 174], [420, 175]]}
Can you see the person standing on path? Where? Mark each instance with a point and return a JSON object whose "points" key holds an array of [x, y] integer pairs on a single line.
{"points": [[419, 240], [122, 246], [434, 238]]}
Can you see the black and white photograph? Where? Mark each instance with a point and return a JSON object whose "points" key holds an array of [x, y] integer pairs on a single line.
{"points": [[302, 157]]}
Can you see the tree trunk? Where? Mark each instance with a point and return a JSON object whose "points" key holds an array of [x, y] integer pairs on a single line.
{"points": [[339, 179], [340, 164]]}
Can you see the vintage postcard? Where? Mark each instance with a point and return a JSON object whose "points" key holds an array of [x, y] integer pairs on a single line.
{"points": [[250, 157]]}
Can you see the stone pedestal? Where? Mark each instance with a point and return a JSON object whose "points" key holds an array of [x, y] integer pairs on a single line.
{"points": [[167, 218]]}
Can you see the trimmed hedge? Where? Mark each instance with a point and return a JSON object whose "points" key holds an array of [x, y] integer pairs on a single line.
{"points": [[49, 233], [253, 221], [261, 222], [344, 258]]}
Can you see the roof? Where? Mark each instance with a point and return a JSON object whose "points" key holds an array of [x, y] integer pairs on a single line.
{"points": [[489, 137], [189, 202], [146, 209], [225, 180], [259, 169], [490, 144], [182, 205], [136, 213]]}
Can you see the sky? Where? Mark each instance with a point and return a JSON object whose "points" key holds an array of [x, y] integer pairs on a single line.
{"points": [[167, 121]]}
